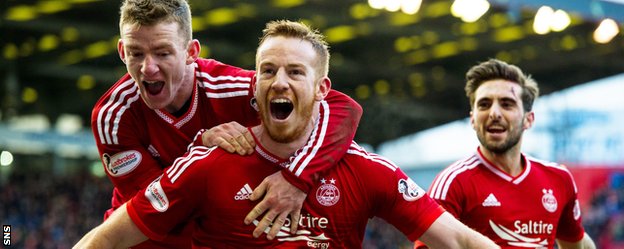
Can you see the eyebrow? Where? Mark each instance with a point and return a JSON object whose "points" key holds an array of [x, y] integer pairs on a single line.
{"points": [[165, 45]]}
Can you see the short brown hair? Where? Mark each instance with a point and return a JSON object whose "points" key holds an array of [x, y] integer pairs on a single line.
{"points": [[495, 69], [152, 12], [300, 30]]}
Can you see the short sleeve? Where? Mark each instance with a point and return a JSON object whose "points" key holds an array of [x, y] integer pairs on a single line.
{"points": [[168, 202]]}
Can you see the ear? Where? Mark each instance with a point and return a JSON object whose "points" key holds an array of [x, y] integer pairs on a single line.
{"points": [[121, 51], [323, 88], [193, 51], [528, 120], [253, 84], [472, 122]]}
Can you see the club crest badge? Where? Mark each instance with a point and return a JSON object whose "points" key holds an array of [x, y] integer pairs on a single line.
{"points": [[328, 194], [549, 201]]}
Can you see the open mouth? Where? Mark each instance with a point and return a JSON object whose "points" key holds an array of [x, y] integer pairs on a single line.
{"points": [[155, 87], [281, 108], [495, 129]]}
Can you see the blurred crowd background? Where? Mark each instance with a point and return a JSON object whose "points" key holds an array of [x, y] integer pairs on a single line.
{"points": [[51, 211]]}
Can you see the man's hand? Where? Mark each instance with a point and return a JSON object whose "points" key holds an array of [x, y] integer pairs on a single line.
{"points": [[231, 137], [282, 199]]}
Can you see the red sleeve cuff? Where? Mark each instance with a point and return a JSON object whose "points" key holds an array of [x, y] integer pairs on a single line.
{"points": [[295, 181], [427, 220], [134, 216]]}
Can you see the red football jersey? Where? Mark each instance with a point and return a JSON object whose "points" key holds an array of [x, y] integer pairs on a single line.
{"points": [[526, 211], [136, 143], [211, 188]]}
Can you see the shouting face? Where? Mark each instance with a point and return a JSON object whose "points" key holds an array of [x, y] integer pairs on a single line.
{"points": [[288, 84], [157, 58]]}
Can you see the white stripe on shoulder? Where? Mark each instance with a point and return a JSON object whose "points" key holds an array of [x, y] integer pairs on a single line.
{"points": [[225, 85], [223, 78], [227, 94], [555, 166], [355, 149], [108, 111], [182, 163], [442, 183], [315, 143]]}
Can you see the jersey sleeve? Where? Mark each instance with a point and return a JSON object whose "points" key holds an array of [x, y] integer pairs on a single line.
{"points": [[448, 193], [394, 197], [128, 164], [171, 200], [332, 136], [570, 226]]}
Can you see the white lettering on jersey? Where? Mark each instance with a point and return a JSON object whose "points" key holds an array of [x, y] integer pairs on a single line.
{"points": [[516, 238], [156, 196], [306, 221], [533, 227], [121, 163], [549, 201], [410, 190], [309, 221]]}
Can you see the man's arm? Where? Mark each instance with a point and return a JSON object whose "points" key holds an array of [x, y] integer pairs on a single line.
{"points": [[118, 231], [286, 190], [448, 232], [585, 243]]}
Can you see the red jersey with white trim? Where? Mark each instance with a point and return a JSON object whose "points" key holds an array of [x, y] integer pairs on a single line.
{"points": [[211, 188], [526, 211], [136, 143]]}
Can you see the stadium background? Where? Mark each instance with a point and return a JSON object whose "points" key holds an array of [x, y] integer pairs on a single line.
{"points": [[405, 69]]}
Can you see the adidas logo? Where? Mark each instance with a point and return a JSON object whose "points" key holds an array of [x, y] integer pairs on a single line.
{"points": [[491, 201], [244, 193]]}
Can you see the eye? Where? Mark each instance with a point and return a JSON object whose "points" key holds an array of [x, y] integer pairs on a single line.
{"points": [[135, 54], [268, 71], [484, 104], [164, 53], [507, 104], [297, 72]]}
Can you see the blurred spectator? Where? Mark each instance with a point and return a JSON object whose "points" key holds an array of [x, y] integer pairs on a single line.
{"points": [[605, 218], [45, 211]]}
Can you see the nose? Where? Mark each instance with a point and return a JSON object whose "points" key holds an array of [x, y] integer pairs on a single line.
{"points": [[495, 111], [150, 65], [281, 81]]}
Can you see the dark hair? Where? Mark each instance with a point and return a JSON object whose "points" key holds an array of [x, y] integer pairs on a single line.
{"points": [[496, 69]]}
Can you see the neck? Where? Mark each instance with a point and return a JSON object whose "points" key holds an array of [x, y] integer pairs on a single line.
{"points": [[509, 161], [285, 150], [185, 92]]}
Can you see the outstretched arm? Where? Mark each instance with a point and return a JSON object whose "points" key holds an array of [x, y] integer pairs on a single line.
{"points": [[118, 231], [448, 232]]}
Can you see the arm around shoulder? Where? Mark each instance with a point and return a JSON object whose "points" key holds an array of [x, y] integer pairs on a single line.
{"points": [[118, 231], [448, 232], [585, 243]]}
